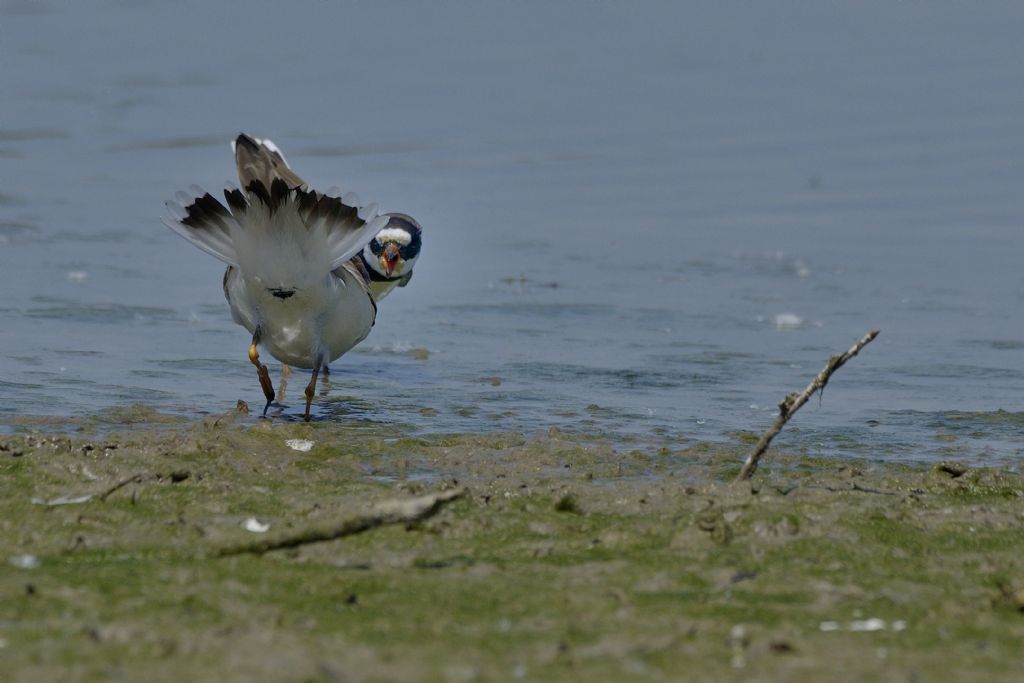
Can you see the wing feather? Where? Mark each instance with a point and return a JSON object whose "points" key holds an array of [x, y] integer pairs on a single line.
{"points": [[204, 222], [261, 160]]}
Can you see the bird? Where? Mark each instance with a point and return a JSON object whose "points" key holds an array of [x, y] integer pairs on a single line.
{"points": [[388, 258], [392, 253], [297, 278]]}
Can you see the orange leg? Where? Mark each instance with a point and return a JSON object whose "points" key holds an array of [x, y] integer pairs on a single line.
{"points": [[286, 372], [311, 389], [261, 370]]}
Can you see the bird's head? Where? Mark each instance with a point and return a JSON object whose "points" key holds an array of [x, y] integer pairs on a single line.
{"points": [[394, 250]]}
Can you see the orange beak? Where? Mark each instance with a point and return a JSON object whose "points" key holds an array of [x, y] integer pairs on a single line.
{"points": [[389, 258]]}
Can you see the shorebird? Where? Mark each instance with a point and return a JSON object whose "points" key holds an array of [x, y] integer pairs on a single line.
{"points": [[298, 278], [390, 256]]}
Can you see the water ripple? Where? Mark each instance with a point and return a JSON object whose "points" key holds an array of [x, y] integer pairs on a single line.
{"points": [[103, 313]]}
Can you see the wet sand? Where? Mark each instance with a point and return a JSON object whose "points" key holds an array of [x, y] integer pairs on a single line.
{"points": [[569, 558]]}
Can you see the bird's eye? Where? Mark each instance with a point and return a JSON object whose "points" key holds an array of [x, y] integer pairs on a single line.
{"points": [[409, 251], [376, 247]]}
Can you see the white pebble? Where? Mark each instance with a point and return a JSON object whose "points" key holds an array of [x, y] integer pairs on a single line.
{"points": [[24, 561], [873, 624], [255, 526], [302, 445]]}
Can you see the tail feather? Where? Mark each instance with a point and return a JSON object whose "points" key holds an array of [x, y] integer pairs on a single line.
{"points": [[204, 222], [277, 231]]}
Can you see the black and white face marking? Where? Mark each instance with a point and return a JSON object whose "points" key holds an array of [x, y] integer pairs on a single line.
{"points": [[397, 244]]}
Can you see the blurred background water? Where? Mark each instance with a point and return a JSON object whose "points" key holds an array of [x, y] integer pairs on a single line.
{"points": [[647, 220]]}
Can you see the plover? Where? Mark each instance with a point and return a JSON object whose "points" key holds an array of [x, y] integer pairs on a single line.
{"points": [[390, 256], [296, 278]]}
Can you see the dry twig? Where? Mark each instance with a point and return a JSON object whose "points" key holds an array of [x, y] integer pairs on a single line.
{"points": [[135, 478], [794, 401], [389, 512]]}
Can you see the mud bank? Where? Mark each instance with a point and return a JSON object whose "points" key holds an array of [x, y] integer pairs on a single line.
{"points": [[567, 559]]}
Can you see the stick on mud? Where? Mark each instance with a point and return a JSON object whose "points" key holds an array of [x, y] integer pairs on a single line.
{"points": [[794, 401], [134, 479], [389, 512]]}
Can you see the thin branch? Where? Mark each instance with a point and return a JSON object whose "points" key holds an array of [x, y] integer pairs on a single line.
{"points": [[389, 512], [854, 488], [135, 478], [794, 401]]}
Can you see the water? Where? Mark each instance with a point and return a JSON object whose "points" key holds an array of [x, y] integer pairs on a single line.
{"points": [[647, 220]]}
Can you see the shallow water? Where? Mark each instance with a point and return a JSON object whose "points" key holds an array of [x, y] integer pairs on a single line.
{"points": [[649, 221]]}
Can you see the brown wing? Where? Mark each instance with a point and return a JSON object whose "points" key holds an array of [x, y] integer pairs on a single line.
{"points": [[258, 161]]}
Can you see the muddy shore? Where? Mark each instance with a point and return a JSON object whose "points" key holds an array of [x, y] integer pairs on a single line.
{"points": [[568, 558]]}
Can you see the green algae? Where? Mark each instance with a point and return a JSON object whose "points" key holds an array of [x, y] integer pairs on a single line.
{"points": [[568, 560]]}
